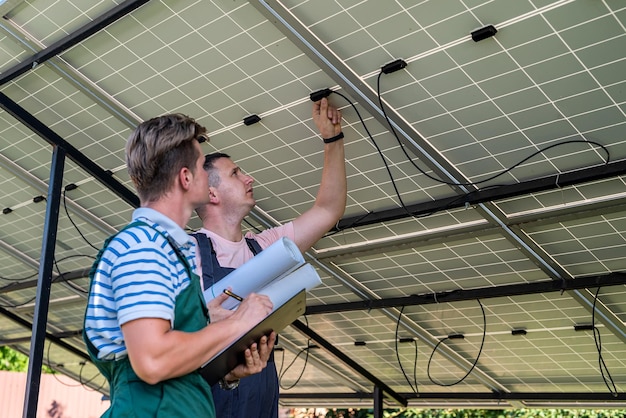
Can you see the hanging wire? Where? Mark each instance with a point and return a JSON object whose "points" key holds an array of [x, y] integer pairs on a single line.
{"points": [[476, 183], [382, 156], [540, 151], [413, 389], [67, 212], [281, 373], [306, 359], [480, 350], [60, 274], [604, 371]]}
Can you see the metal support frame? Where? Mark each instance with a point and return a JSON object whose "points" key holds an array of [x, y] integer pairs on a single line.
{"points": [[56, 338], [104, 177], [611, 279], [44, 283], [347, 360], [471, 396], [79, 35], [487, 195], [74, 154], [378, 402]]}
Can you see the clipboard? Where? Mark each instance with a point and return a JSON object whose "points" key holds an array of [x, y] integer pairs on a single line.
{"points": [[227, 359]]}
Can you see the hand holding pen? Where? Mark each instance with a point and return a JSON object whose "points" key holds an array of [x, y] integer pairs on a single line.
{"points": [[233, 295]]}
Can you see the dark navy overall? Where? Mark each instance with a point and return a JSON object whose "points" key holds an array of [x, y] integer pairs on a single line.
{"points": [[257, 395]]}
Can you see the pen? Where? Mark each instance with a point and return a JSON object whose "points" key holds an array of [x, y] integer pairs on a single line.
{"points": [[232, 295]]}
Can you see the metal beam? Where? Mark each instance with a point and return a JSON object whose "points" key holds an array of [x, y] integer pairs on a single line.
{"points": [[70, 74], [378, 402], [323, 365], [336, 69], [487, 195], [366, 294], [496, 396], [72, 39], [74, 154], [330, 63], [53, 337], [33, 377], [41, 187], [64, 277], [348, 361], [611, 279]]}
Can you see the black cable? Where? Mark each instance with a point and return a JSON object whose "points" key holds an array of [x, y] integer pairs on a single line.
{"points": [[281, 373], [414, 389], [402, 147], [80, 372], [6, 288], [258, 230], [540, 151], [480, 350], [84, 383], [51, 368], [76, 226], [382, 156], [60, 275], [598, 342], [306, 359]]}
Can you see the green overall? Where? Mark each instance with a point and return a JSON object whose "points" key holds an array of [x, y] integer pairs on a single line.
{"points": [[186, 396]]}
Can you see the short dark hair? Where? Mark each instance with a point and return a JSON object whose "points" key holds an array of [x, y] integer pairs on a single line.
{"points": [[209, 159]]}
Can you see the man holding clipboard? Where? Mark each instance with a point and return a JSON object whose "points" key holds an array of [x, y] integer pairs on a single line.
{"points": [[145, 323]]}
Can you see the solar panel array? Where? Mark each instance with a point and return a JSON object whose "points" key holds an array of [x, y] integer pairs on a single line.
{"points": [[436, 155]]}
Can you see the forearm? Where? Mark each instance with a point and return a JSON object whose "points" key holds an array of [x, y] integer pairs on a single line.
{"points": [[157, 353], [330, 202], [332, 193]]}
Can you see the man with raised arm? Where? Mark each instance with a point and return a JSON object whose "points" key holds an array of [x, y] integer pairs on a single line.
{"points": [[223, 246]]}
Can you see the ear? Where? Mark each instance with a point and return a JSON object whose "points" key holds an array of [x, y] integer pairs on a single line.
{"points": [[213, 195], [185, 177]]}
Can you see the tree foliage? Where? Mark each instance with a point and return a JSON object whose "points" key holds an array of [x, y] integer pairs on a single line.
{"points": [[14, 361], [478, 413]]}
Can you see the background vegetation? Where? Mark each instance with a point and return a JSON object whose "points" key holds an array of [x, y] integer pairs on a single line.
{"points": [[460, 413], [14, 361]]}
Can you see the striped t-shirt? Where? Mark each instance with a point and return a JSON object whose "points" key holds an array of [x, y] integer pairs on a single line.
{"points": [[138, 276]]}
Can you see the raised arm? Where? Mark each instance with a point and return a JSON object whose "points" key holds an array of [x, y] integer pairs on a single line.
{"points": [[330, 201]]}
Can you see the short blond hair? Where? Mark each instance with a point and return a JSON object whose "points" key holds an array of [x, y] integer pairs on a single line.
{"points": [[158, 149]]}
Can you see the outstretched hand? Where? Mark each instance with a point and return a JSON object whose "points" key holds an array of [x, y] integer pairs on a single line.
{"points": [[327, 118]]}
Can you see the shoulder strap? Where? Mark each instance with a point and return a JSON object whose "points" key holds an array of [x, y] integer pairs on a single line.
{"points": [[211, 270], [205, 246], [207, 254], [254, 246], [169, 239], [94, 266]]}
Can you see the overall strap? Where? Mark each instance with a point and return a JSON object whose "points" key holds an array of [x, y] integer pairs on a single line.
{"points": [[254, 246], [207, 255], [212, 272], [179, 254], [93, 351]]}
